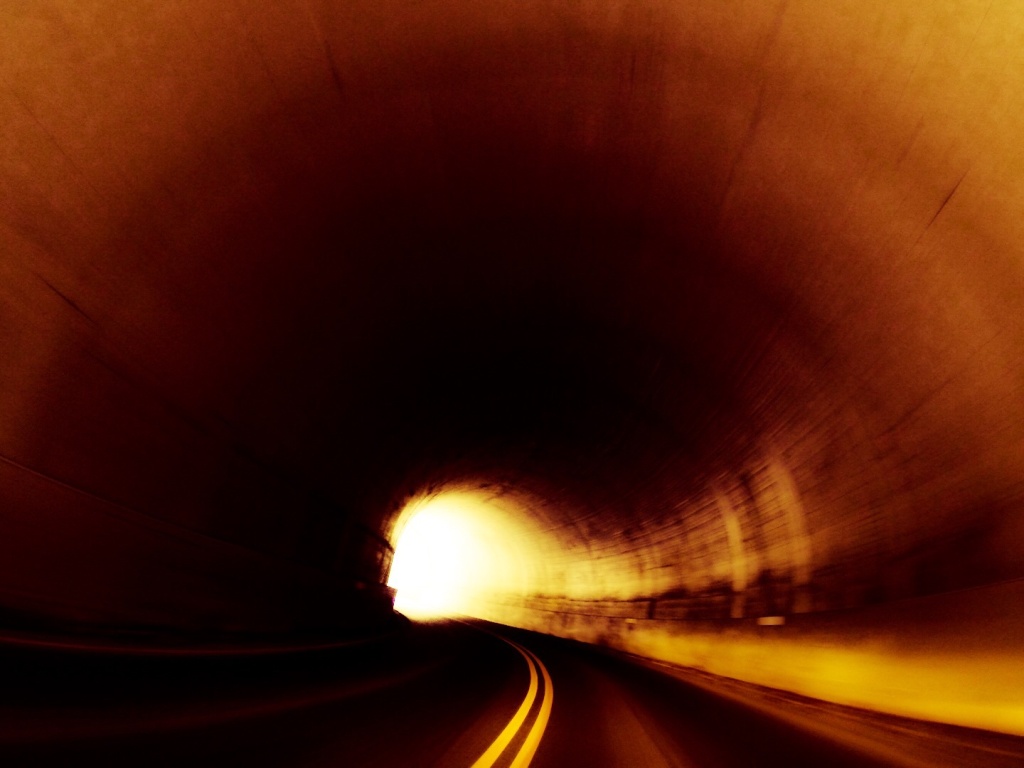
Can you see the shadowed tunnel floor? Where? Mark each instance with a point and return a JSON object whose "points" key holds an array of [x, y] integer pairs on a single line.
{"points": [[434, 694]]}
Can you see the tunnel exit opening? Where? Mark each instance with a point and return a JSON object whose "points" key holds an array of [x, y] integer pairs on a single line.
{"points": [[457, 552]]}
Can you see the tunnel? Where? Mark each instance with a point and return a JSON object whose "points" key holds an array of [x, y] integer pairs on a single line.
{"points": [[713, 311]]}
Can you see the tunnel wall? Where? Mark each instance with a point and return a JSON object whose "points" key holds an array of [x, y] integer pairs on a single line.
{"points": [[948, 658], [733, 288], [120, 509], [754, 581], [824, 592], [821, 580], [76, 562], [134, 493]]}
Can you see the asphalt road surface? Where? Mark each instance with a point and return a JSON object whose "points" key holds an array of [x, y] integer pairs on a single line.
{"points": [[438, 694]]}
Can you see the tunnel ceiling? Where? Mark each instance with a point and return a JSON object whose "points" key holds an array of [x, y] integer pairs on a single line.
{"points": [[628, 256]]}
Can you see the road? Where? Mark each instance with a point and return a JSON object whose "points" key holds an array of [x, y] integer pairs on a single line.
{"points": [[446, 694]]}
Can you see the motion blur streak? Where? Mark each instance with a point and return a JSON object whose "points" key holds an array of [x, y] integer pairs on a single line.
{"points": [[696, 326]]}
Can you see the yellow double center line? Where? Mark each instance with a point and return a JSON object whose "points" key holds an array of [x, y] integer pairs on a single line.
{"points": [[532, 741]]}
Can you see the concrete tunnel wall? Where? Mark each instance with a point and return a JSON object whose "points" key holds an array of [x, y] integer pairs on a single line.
{"points": [[732, 291]]}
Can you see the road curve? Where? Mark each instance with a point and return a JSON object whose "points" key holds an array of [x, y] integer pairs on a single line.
{"points": [[443, 694]]}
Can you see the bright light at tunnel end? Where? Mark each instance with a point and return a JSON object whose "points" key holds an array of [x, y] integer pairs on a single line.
{"points": [[431, 560], [453, 551]]}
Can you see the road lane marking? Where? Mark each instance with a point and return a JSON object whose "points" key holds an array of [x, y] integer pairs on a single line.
{"points": [[529, 747], [488, 758], [536, 733]]}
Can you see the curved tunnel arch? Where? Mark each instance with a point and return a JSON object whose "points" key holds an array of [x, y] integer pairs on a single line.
{"points": [[733, 293]]}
